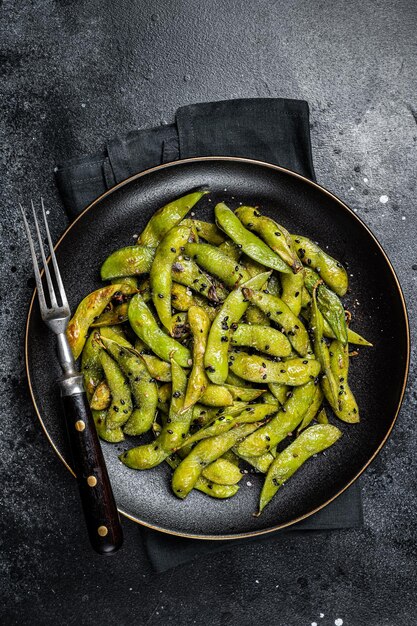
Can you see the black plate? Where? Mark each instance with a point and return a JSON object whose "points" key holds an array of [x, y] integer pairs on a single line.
{"points": [[378, 375]]}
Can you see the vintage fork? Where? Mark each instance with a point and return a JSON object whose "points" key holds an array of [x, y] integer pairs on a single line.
{"points": [[100, 511]]}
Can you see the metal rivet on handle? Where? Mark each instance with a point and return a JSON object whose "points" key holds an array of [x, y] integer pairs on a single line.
{"points": [[91, 481], [102, 531], [80, 426]]}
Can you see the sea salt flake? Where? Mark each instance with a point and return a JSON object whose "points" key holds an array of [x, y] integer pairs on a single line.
{"points": [[384, 199], [338, 621]]}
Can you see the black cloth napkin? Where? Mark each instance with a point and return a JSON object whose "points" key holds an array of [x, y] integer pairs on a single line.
{"points": [[268, 129]]}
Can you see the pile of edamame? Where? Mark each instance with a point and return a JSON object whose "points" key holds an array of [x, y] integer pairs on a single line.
{"points": [[221, 340]]}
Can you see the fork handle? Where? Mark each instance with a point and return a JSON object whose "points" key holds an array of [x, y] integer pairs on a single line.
{"points": [[100, 510]]}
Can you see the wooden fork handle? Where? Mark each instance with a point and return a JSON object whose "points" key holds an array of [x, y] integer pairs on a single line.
{"points": [[100, 510]]}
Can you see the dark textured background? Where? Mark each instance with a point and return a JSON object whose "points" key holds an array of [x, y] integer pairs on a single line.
{"points": [[75, 73]]}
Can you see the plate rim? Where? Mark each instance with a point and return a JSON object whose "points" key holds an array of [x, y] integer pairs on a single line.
{"points": [[343, 206]]}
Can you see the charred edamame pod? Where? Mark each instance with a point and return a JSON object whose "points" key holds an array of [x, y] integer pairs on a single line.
{"points": [[232, 310], [331, 271], [161, 271], [143, 323], [101, 397], [128, 261], [312, 441], [121, 406], [186, 272], [280, 426]]}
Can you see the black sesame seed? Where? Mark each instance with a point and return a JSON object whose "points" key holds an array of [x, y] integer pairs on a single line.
{"points": [[173, 250], [176, 394], [160, 295]]}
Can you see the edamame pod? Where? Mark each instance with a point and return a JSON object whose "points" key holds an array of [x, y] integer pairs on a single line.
{"points": [[232, 310], [292, 291], [180, 327], [244, 394], [258, 369], [352, 337], [312, 441], [346, 407], [101, 397], [211, 489], [182, 298], [143, 323], [276, 236], [128, 261], [216, 395], [331, 271], [186, 272], [321, 350], [89, 308], [92, 372], [142, 385], [222, 472], [206, 230], [214, 261], [167, 217], [205, 452], [280, 392], [173, 431], [312, 410], [280, 426], [158, 369], [260, 463], [250, 244], [282, 315], [262, 338], [161, 275], [254, 315], [197, 382], [121, 406], [115, 315], [231, 249], [329, 304]]}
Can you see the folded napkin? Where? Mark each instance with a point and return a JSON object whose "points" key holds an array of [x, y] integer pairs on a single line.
{"points": [[275, 130]]}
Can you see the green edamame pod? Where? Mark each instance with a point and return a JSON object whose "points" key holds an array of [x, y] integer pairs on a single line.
{"points": [[158, 369], [280, 392], [322, 417], [89, 308], [167, 217], [205, 452], [331, 271], [276, 236], [232, 310], [101, 397], [161, 271], [258, 369], [182, 298], [206, 230], [252, 267], [234, 380], [260, 463], [121, 406], [329, 304], [262, 338], [92, 372], [280, 426], [321, 350], [216, 395], [230, 249], [142, 385], [222, 472], [128, 261], [216, 262], [203, 415], [173, 431], [282, 315], [254, 315], [206, 486], [115, 315], [346, 407], [198, 381], [292, 290], [252, 246], [312, 441], [312, 410], [186, 272], [143, 323], [269, 398], [244, 394], [352, 337]]}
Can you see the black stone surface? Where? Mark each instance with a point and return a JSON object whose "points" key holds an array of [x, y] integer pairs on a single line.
{"points": [[75, 73]]}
